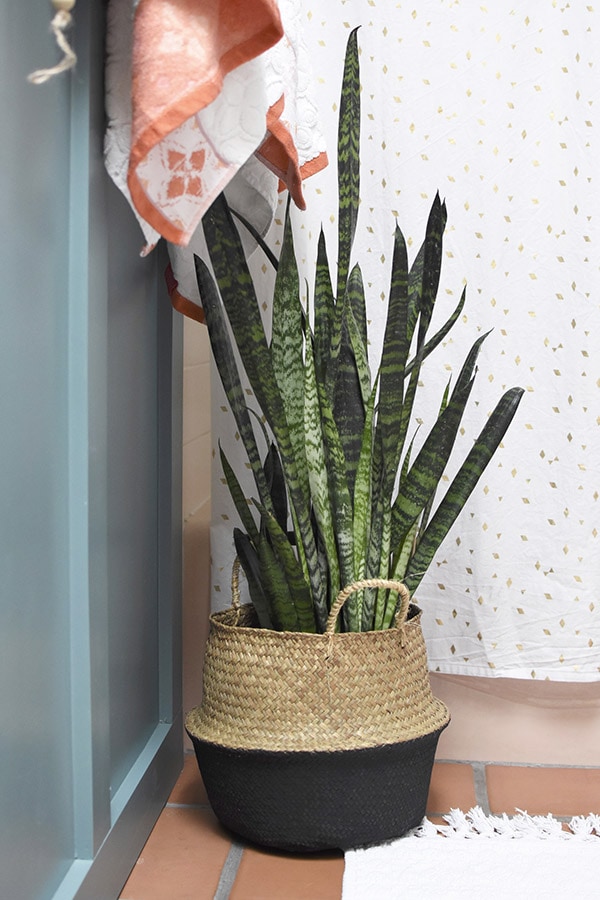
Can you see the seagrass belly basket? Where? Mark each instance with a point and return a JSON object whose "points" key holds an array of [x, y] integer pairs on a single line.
{"points": [[317, 741]]}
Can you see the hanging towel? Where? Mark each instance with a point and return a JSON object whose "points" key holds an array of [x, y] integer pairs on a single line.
{"points": [[202, 93]]}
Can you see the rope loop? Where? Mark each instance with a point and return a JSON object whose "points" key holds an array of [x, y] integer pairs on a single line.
{"points": [[59, 24], [402, 590]]}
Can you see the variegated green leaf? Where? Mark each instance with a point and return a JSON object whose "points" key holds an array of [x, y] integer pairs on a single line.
{"points": [[422, 524], [341, 503], [228, 371], [286, 352], [239, 499], [362, 502], [363, 492], [317, 471], [357, 331], [276, 483], [276, 588], [323, 416], [393, 361], [348, 405], [463, 484], [428, 468], [406, 551], [324, 312], [384, 549], [348, 159], [439, 336], [299, 590], [239, 299], [257, 237], [248, 557], [432, 265]]}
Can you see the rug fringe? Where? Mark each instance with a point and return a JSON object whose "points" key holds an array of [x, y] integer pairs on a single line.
{"points": [[476, 823]]}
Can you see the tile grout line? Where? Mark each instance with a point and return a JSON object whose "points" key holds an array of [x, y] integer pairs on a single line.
{"points": [[481, 792], [229, 871], [516, 765], [188, 806]]}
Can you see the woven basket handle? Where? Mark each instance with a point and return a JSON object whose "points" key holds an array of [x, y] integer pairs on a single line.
{"points": [[400, 617], [235, 583]]}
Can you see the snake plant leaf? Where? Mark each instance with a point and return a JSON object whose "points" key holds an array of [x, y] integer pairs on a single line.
{"points": [[356, 320], [286, 351], [463, 484], [228, 371], [362, 501], [355, 301], [341, 502], [414, 289], [468, 368], [376, 565], [432, 266], [363, 491], [239, 299], [428, 468], [417, 489], [348, 407], [393, 362], [373, 567], [348, 402], [439, 336], [348, 155], [238, 497], [422, 524], [339, 464], [391, 601], [276, 587], [385, 547], [276, 483], [299, 590], [317, 471], [248, 557], [406, 551], [257, 237], [324, 311]]}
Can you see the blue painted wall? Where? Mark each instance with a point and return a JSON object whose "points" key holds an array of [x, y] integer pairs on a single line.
{"points": [[90, 740], [35, 738]]}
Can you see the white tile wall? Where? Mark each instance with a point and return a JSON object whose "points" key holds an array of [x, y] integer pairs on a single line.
{"points": [[196, 418], [196, 464]]}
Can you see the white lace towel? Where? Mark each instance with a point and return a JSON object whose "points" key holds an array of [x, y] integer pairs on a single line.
{"points": [[477, 856], [250, 126]]}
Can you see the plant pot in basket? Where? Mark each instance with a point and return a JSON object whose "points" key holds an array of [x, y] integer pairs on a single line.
{"points": [[311, 742], [317, 729]]}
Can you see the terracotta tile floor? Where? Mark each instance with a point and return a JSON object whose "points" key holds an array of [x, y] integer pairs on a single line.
{"points": [[189, 856]]}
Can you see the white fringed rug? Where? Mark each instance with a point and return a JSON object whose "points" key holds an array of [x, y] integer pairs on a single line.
{"points": [[476, 856]]}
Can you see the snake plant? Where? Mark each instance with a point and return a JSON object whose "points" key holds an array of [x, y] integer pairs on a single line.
{"points": [[339, 494]]}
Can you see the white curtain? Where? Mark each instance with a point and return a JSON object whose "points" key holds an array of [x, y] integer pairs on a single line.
{"points": [[496, 106]]}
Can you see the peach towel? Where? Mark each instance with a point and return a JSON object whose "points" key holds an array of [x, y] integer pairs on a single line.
{"points": [[198, 91]]}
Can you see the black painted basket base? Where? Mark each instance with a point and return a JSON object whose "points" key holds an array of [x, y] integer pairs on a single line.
{"points": [[311, 801]]}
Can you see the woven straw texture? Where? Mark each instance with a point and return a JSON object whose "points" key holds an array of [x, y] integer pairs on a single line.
{"points": [[294, 691]]}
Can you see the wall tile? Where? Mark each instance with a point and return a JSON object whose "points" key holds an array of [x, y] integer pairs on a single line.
{"points": [[196, 604], [543, 790], [508, 720], [196, 346], [452, 785], [196, 473], [196, 401]]}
